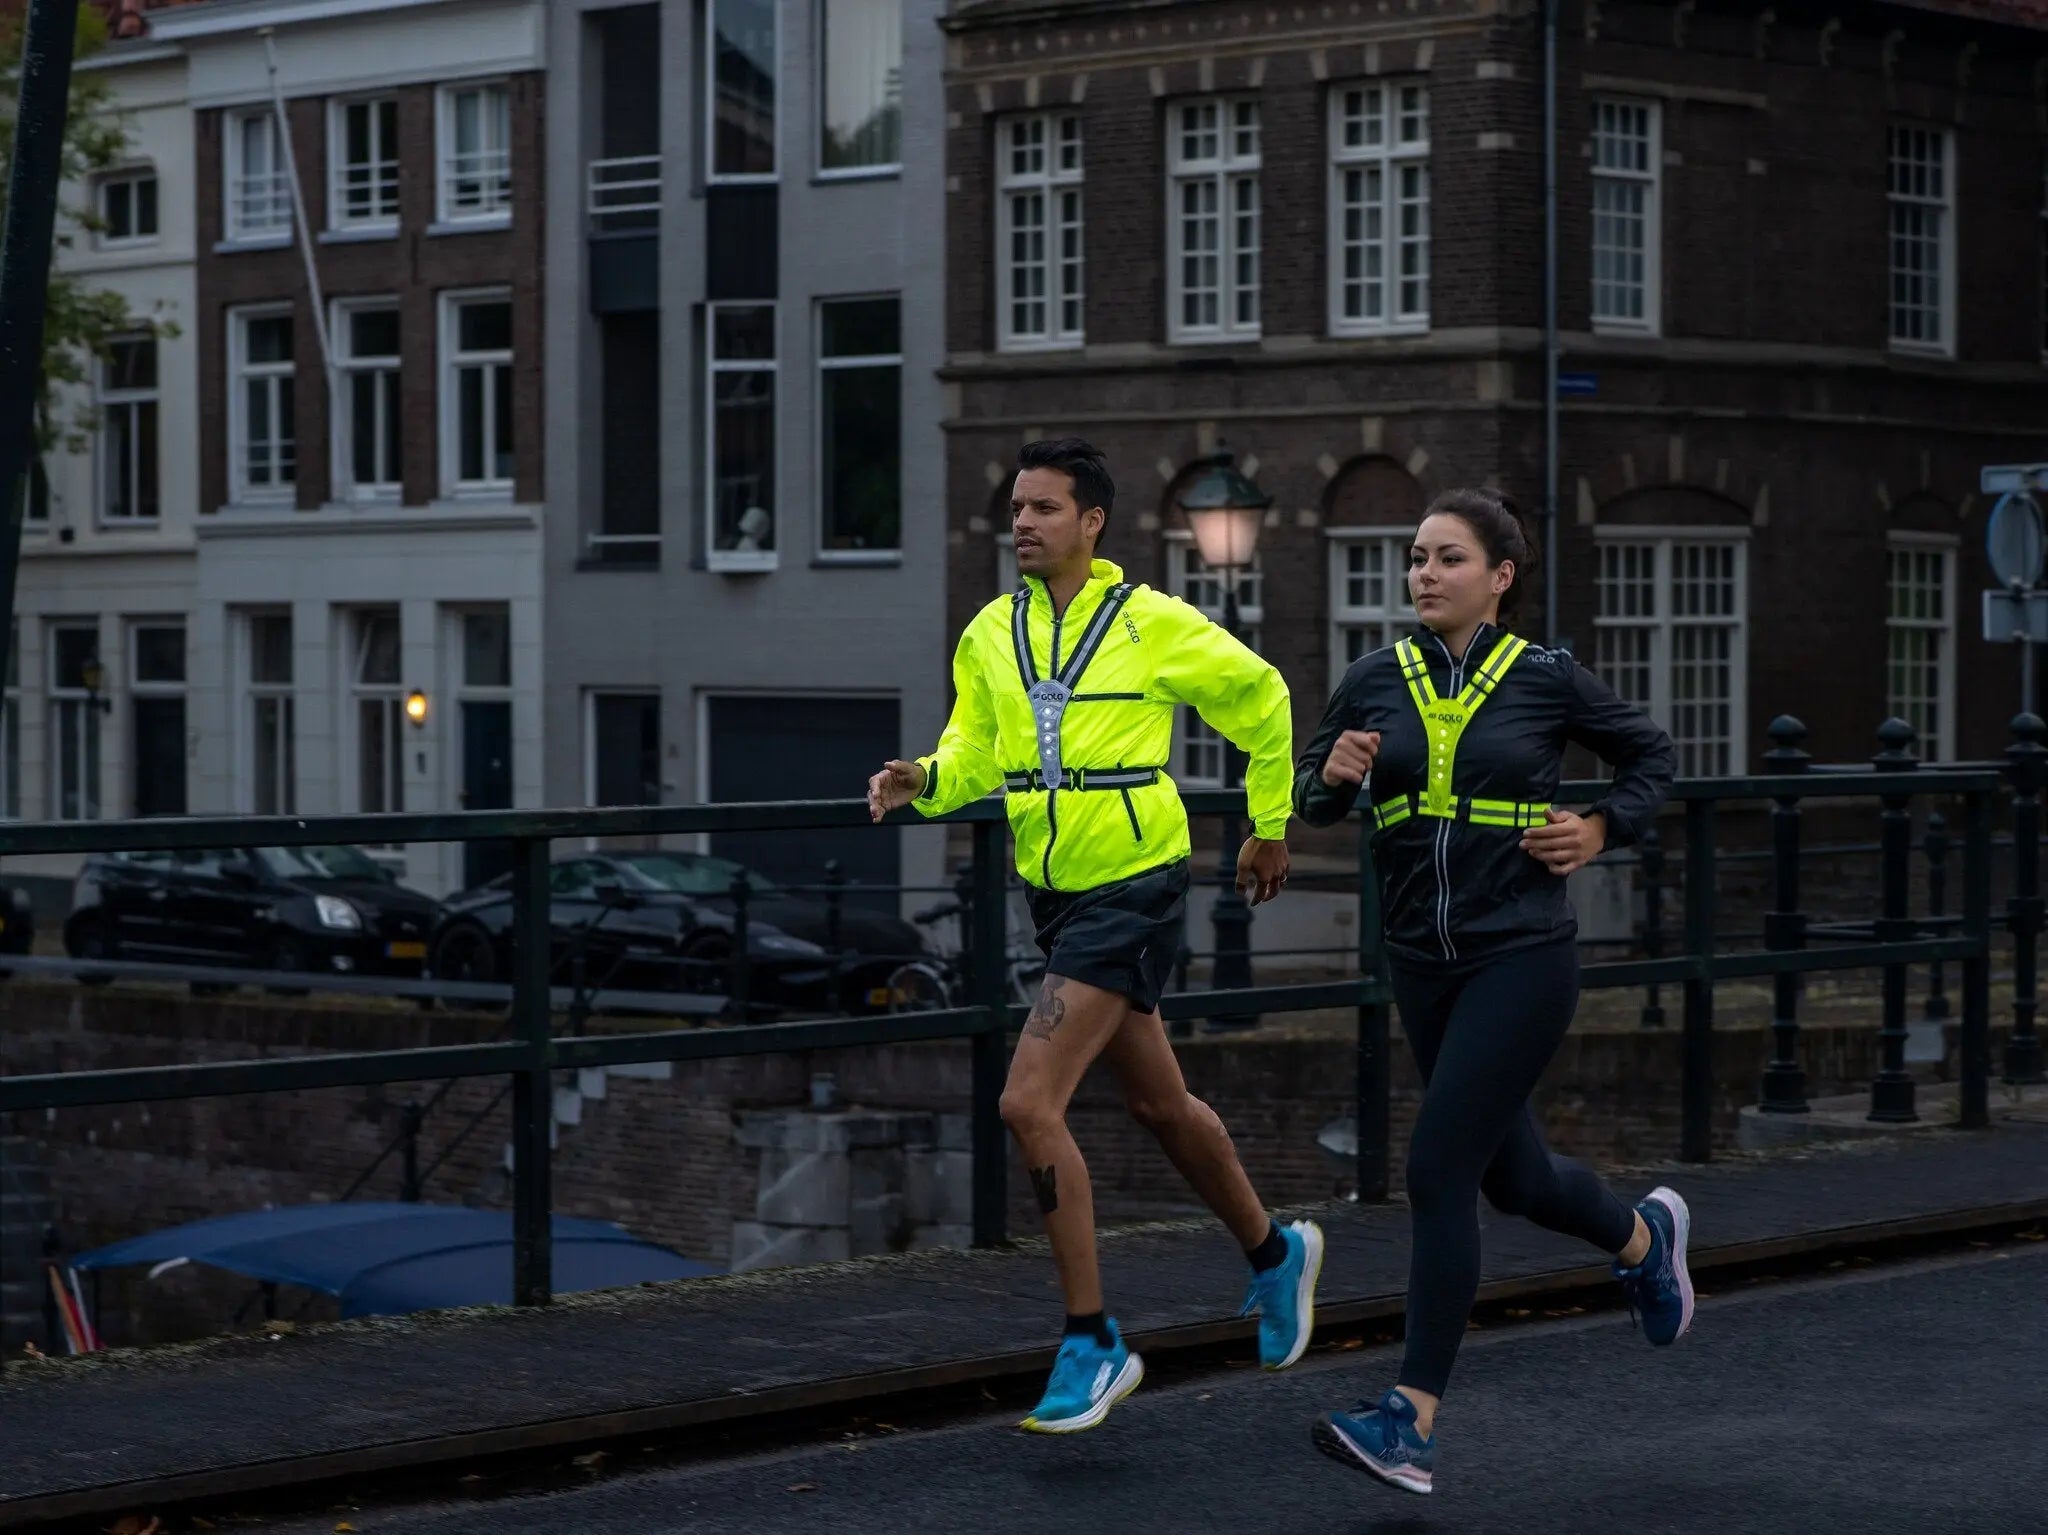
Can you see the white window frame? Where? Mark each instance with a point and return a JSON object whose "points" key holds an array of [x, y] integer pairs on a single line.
{"points": [[139, 688], [453, 360], [1397, 615], [712, 174], [1227, 173], [1056, 183], [893, 167], [240, 369], [132, 177], [256, 207], [382, 168], [1650, 177], [1944, 208], [108, 401], [74, 709], [827, 554], [1384, 118], [716, 558], [1191, 734], [346, 366], [254, 693], [388, 698], [493, 171], [1942, 748], [1661, 624]]}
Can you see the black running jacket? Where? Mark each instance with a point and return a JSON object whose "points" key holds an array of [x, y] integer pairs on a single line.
{"points": [[1454, 894]]}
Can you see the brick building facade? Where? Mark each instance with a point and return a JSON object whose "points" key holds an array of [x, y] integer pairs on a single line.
{"points": [[1800, 302]]}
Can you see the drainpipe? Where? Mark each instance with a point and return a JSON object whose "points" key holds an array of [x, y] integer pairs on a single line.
{"points": [[1550, 346]]}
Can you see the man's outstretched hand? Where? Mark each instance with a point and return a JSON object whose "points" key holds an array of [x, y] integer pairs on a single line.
{"points": [[894, 787], [1261, 869]]}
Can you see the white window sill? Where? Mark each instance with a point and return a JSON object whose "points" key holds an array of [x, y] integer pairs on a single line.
{"points": [[371, 497], [486, 492], [1027, 346], [1216, 338], [1353, 331], [136, 243], [768, 179], [1921, 349], [1642, 330], [741, 562], [351, 234], [484, 224], [859, 173], [119, 526], [856, 559], [263, 242]]}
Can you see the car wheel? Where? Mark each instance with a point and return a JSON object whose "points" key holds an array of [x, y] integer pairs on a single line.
{"points": [[89, 940], [289, 955], [465, 953]]}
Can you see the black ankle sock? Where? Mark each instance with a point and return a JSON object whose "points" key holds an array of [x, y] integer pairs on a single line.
{"points": [[1095, 1322], [1271, 1253]]}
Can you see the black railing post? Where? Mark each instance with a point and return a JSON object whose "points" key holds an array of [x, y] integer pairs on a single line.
{"points": [[410, 1118], [988, 971], [1936, 846], [1652, 865], [533, 1101], [1974, 1043], [1373, 1110], [1696, 1133], [737, 969], [835, 902], [1784, 1084], [1891, 1091], [2023, 911]]}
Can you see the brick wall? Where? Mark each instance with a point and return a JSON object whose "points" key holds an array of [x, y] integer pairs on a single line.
{"points": [[659, 1155], [1771, 403], [414, 266]]}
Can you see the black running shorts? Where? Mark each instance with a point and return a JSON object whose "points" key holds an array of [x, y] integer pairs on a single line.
{"points": [[1122, 937]]}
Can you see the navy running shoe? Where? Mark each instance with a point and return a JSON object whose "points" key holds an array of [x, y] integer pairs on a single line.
{"points": [[1285, 1296], [1659, 1290], [1380, 1439], [1087, 1380]]}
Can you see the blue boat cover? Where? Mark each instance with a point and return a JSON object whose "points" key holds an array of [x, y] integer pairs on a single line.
{"points": [[384, 1259]]}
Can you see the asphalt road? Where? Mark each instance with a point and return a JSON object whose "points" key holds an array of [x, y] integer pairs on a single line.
{"points": [[1889, 1399]]}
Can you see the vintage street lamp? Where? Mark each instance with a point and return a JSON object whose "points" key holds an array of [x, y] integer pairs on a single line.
{"points": [[1224, 512]]}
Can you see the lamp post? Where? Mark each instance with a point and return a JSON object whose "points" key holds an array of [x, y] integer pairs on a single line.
{"points": [[1224, 511]]}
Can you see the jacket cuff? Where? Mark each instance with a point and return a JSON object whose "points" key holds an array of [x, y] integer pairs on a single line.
{"points": [[1621, 831], [930, 791], [1271, 828]]}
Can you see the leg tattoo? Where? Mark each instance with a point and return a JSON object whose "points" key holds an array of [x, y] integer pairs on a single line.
{"points": [[1042, 1184], [1049, 1011]]}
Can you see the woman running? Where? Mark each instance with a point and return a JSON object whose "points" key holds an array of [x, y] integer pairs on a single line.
{"points": [[1458, 733]]}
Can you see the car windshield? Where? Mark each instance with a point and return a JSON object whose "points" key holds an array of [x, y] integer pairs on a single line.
{"points": [[320, 863], [695, 874]]}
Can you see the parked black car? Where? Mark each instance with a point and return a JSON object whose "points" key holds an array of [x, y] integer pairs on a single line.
{"points": [[331, 909], [662, 921]]}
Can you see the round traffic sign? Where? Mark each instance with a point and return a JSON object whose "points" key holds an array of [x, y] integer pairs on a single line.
{"points": [[2016, 540]]}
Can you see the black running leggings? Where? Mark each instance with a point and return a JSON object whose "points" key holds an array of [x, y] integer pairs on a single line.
{"points": [[1482, 1038]]}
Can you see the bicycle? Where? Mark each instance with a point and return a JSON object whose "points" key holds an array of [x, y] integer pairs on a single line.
{"points": [[939, 980]]}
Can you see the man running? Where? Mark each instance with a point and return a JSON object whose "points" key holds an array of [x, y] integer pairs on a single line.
{"points": [[1066, 692]]}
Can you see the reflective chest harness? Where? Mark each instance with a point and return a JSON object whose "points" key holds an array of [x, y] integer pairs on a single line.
{"points": [[1050, 696], [1444, 721]]}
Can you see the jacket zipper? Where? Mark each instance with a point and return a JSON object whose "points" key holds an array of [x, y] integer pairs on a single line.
{"points": [[1052, 819], [1131, 810], [1443, 834]]}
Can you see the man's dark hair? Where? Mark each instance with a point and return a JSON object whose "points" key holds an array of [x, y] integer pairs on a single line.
{"points": [[1081, 462]]}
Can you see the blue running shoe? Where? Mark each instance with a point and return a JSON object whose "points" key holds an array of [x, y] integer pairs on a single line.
{"points": [[1659, 1290], [1087, 1380], [1285, 1296], [1380, 1439]]}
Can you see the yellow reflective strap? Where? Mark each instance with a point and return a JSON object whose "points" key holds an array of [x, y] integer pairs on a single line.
{"points": [[1488, 676], [1415, 672], [1394, 811]]}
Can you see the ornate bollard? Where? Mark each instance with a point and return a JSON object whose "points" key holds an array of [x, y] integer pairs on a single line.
{"points": [[1784, 1084], [2023, 911], [1891, 1090], [1925, 1041]]}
